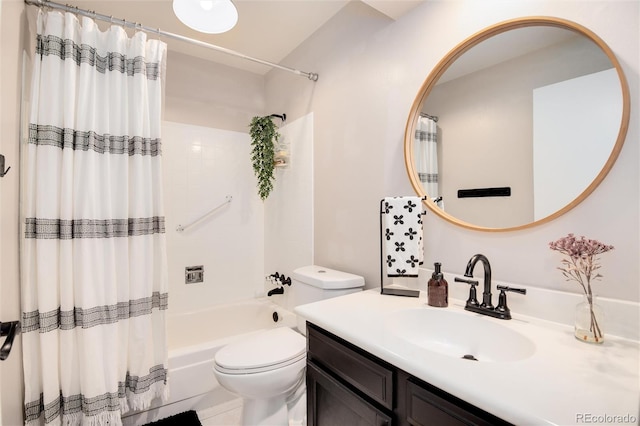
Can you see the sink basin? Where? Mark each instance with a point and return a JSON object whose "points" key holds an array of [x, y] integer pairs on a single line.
{"points": [[459, 334]]}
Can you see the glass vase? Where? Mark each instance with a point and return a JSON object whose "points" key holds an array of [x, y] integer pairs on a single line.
{"points": [[589, 320]]}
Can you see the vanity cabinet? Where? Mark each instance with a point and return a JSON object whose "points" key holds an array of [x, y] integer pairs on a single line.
{"points": [[331, 403], [349, 386]]}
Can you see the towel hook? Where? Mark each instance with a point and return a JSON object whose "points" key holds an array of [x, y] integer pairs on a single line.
{"points": [[2, 170], [9, 329]]}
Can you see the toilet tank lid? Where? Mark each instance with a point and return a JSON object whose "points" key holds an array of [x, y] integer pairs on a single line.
{"points": [[326, 278]]}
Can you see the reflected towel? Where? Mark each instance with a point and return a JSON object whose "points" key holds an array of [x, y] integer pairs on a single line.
{"points": [[403, 235]]}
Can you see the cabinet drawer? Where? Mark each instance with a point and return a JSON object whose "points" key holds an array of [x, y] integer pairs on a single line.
{"points": [[368, 374], [330, 403]]}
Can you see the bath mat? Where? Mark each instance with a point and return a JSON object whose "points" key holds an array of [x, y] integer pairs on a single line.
{"points": [[188, 418]]}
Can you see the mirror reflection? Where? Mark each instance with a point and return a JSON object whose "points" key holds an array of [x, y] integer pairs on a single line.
{"points": [[517, 128]]}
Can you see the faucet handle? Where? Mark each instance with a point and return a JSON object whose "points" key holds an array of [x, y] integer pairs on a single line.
{"points": [[464, 280], [502, 307], [473, 297], [514, 289]]}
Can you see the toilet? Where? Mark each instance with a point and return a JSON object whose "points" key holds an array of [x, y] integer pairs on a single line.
{"points": [[267, 369]]}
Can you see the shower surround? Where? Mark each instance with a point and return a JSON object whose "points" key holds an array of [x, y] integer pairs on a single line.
{"points": [[245, 239]]}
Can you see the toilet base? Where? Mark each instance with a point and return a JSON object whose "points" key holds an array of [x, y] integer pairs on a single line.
{"points": [[265, 412], [289, 409], [297, 406]]}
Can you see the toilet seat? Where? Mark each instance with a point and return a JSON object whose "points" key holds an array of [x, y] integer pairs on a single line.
{"points": [[263, 351]]}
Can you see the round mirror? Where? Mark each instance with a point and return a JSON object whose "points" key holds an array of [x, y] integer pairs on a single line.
{"points": [[517, 124]]}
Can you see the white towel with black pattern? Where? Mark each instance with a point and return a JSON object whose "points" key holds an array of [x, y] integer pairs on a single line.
{"points": [[404, 248]]}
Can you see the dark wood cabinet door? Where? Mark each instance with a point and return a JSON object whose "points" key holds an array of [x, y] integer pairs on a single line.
{"points": [[366, 373], [330, 403], [371, 376], [426, 405]]}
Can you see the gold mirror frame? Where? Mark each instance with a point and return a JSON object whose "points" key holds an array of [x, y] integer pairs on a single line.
{"points": [[463, 47]]}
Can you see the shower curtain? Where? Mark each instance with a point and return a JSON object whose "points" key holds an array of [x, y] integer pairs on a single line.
{"points": [[94, 279], [426, 148]]}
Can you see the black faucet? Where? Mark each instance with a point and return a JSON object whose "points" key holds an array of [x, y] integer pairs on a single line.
{"points": [[486, 307], [277, 290], [280, 280], [468, 272]]}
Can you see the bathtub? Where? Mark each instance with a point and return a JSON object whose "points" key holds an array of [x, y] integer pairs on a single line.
{"points": [[194, 338]]}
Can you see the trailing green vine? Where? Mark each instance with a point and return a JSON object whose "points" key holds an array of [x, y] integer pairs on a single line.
{"points": [[263, 134]]}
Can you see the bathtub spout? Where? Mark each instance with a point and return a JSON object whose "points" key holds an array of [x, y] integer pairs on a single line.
{"points": [[277, 290]]}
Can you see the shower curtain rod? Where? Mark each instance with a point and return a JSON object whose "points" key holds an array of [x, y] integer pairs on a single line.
{"points": [[92, 14]]}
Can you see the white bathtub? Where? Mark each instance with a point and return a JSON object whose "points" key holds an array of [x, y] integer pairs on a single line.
{"points": [[194, 338]]}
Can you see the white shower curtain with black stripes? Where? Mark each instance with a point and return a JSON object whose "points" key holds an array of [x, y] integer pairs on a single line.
{"points": [[426, 148], [94, 276]]}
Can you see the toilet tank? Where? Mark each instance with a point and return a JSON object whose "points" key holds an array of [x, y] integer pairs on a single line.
{"points": [[314, 283]]}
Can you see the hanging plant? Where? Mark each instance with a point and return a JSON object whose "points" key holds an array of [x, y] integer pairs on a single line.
{"points": [[263, 135]]}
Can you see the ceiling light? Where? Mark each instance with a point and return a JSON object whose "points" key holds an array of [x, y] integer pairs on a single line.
{"points": [[206, 16]]}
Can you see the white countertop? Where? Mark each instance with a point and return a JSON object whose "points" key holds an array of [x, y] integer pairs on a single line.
{"points": [[564, 382]]}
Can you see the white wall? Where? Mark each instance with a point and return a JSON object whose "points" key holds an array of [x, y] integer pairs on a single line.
{"points": [[572, 120], [211, 95], [201, 166], [288, 222], [371, 69]]}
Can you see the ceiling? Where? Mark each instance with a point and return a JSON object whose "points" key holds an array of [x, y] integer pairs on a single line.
{"points": [[266, 29]]}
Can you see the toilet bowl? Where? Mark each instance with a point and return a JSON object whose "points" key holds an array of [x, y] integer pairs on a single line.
{"points": [[267, 369]]}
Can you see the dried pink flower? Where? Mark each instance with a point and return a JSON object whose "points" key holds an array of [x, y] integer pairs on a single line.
{"points": [[582, 261], [581, 265]]}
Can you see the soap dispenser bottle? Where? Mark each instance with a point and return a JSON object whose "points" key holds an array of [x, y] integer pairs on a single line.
{"points": [[438, 289]]}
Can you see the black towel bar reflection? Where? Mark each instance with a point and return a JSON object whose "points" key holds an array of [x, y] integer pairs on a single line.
{"points": [[503, 191], [9, 329]]}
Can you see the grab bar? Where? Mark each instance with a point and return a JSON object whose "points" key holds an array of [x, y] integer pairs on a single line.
{"points": [[9, 329], [227, 200]]}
